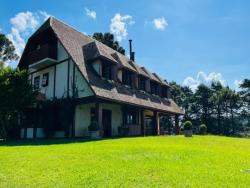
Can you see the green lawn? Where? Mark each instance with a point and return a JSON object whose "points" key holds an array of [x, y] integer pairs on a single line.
{"points": [[201, 161]]}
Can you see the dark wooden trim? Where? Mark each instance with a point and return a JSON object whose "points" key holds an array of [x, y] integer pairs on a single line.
{"points": [[74, 72], [68, 79], [54, 87], [177, 127], [98, 113], [25, 132], [143, 133], [156, 123]]}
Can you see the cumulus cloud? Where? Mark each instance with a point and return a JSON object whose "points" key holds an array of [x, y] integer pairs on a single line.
{"points": [[160, 23], [119, 24], [44, 14], [237, 84], [22, 25], [90, 13], [203, 78]]}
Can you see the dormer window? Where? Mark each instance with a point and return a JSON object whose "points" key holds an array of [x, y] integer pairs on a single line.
{"points": [[127, 77], [142, 83], [164, 92], [107, 71], [154, 88]]}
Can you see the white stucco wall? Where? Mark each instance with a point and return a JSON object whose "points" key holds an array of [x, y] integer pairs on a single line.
{"points": [[81, 85], [82, 118]]}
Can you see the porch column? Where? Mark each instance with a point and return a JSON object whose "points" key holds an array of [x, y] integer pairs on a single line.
{"points": [[156, 123], [177, 127], [98, 113], [142, 123]]}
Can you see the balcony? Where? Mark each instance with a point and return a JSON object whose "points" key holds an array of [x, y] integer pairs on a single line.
{"points": [[45, 56]]}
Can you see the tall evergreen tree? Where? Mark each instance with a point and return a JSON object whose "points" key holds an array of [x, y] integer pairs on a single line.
{"points": [[108, 39]]}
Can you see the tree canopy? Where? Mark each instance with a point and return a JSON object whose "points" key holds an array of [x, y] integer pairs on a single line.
{"points": [[108, 39], [7, 50], [15, 96], [223, 110]]}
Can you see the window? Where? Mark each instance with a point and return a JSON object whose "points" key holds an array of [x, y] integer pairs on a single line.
{"points": [[127, 77], [37, 82], [164, 92], [131, 118], [106, 71], [142, 83], [45, 80], [154, 88]]}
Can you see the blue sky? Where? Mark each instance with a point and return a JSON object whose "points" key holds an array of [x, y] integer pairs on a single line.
{"points": [[189, 41]]}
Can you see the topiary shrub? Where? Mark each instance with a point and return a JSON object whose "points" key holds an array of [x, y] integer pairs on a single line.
{"points": [[188, 125], [203, 129]]}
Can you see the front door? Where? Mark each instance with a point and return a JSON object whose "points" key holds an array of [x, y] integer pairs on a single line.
{"points": [[106, 121]]}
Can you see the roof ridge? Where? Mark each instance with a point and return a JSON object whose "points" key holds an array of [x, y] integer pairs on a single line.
{"points": [[70, 26]]}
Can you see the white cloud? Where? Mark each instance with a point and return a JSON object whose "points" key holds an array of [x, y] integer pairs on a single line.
{"points": [[237, 84], [44, 14], [22, 25], [90, 13], [24, 21], [119, 25], [203, 78], [160, 23]]}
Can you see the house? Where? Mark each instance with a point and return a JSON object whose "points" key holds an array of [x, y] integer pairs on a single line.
{"points": [[105, 85]]}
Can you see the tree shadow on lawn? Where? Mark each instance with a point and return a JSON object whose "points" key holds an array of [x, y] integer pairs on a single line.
{"points": [[52, 141]]}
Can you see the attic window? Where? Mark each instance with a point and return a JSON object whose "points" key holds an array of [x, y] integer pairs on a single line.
{"points": [[142, 83], [164, 92], [127, 77], [107, 71], [154, 88]]}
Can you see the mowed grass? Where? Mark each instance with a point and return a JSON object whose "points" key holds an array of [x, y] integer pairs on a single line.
{"points": [[175, 161]]}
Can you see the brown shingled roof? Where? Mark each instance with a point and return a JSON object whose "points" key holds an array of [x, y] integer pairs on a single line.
{"points": [[81, 48]]}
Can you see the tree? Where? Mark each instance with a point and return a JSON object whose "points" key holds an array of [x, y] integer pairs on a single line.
{"points": [[245, 85], [15, 96], [217, 100], [7, 50], [108, 39], [203, 104]]}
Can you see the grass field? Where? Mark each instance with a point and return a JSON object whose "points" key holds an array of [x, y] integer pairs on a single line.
{"points": [[201, 161]]}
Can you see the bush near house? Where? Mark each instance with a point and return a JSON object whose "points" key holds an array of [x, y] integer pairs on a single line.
{"points": [[188, 125], [203, 129]]}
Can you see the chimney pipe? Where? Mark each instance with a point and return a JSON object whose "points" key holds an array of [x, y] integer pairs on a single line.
{"points": [[130, 49], [132, 57]]}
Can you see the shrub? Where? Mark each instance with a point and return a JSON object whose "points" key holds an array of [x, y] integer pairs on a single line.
{"points": [[203, 129], [94, 126], [188, 125]]}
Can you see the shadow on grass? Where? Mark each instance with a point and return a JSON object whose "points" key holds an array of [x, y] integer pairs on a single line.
{"points": [[52, 141]]}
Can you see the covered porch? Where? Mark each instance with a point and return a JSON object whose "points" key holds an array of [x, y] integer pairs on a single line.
{"points": [[117, 119]]}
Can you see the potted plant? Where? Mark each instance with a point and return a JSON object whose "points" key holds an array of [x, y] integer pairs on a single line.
{"points": [[123, 130], [203, 129], [188, 129], [94, 130]]}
